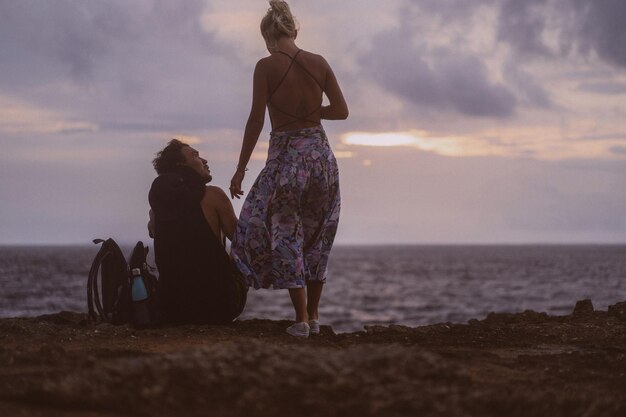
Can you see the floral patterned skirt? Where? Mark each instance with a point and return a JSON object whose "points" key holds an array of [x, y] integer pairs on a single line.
{"points": [[289, 219]]}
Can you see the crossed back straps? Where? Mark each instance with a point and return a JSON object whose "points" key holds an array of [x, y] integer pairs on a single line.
{"points": [[293, 116]]}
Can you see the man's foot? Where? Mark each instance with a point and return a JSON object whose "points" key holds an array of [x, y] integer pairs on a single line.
{"points": [[314, 326], [299, 329]]}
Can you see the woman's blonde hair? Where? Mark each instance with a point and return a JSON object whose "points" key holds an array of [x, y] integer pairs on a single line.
{"points": [[278, 22]]}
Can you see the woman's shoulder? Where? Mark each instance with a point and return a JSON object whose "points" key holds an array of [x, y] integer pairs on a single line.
{"points": [[312, 56], [313, 60], [263, 62]]}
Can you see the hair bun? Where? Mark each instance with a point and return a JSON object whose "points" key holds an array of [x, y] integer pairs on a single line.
{"points": [[280, 11], [279, 6], [278, 21]]}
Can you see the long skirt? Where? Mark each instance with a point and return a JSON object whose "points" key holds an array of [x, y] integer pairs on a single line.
{"points": [[289, 219]]}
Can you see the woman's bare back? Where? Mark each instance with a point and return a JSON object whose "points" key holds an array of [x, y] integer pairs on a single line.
{"points": [[295, 84]]}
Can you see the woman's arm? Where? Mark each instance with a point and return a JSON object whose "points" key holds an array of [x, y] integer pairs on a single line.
{"points": [[254, 126], [337, 108]]}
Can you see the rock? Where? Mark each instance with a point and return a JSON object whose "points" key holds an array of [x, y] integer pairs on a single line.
{"points": [[375, 329], [400, 328], [618, 310], [583, 308], [528, 316], [327, 330], [62, 318], [392, 328]]}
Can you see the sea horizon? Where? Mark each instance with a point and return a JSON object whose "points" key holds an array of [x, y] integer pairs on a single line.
{"points": [[350, 244]]}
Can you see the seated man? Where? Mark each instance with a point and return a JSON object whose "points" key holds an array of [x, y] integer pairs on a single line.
{"points": [[198, 283]]}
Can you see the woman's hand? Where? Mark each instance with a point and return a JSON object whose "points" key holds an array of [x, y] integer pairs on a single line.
{"points": [[235, 184]]}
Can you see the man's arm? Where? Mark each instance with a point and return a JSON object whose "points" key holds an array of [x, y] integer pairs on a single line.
{"points": [[219, 212], [151, 224]]}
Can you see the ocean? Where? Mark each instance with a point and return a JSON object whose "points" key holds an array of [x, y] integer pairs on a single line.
{"points": [[410, 285]]}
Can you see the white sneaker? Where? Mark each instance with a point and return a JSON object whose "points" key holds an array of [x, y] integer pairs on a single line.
{"points": [[299, 329], [314, 326]]}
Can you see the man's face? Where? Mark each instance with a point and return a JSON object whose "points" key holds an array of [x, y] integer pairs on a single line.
{"points": [[193, 161]]}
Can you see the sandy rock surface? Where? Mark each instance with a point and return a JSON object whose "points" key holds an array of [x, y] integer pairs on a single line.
{"points": [[526, 364]]}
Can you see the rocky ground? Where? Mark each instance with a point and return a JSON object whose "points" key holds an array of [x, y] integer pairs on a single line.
{"points": [[526, 364]]}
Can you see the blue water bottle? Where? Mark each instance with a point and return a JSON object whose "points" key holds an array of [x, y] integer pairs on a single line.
{"points": [[139, 295]]}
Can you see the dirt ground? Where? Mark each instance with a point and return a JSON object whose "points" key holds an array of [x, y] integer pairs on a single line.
{"points": [[526, 364]]}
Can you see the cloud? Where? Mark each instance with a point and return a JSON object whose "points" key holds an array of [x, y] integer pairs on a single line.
{"points": [[553, 28], [148, 62], [618, 149], [441, 78], [17, 117], [522, 25], [81, 36], [599, 26], [609, 88], [451, 11], [528, 88]]}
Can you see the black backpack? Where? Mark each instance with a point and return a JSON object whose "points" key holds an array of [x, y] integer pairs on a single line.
{"points": [[112, 301]]}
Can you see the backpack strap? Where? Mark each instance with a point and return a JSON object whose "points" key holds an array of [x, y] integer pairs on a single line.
{"points": [[92, 285], [100, 306]]}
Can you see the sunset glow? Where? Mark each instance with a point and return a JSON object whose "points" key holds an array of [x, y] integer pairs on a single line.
{"points": [[379, 139], [446, 146]]}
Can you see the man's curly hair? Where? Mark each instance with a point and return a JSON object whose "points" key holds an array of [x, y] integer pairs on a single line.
{"points": [[168, 158]]}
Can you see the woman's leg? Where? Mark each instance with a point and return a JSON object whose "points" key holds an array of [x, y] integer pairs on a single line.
{"points": [[298, 299], [313, 294]]}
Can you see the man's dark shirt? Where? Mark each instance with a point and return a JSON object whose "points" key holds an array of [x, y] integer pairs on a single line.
{"points": [[197, 280]]}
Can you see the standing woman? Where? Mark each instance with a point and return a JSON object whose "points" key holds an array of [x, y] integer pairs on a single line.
{"points": [[289, 219]]}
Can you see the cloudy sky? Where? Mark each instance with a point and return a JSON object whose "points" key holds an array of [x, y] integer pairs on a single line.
{"points": [[482, 121]]}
